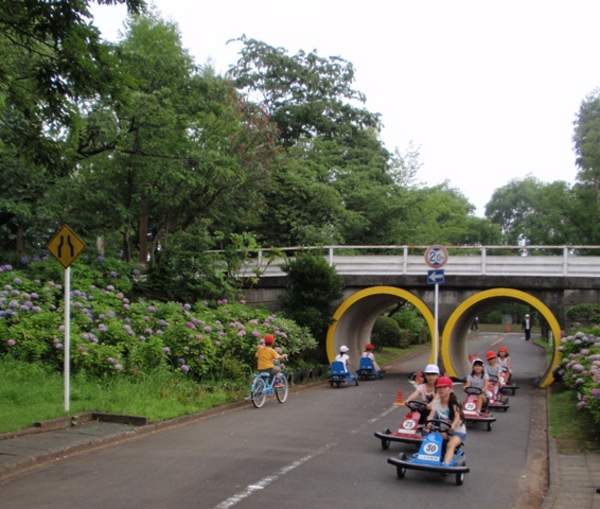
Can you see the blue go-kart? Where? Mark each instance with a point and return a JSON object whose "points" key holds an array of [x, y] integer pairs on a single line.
{"points": [[366, 370], [431, 455], [338, 375]]}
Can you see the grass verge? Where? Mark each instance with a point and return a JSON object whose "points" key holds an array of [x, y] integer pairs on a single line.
{"points": [[389, 354], [575, 432], [32, 393]]}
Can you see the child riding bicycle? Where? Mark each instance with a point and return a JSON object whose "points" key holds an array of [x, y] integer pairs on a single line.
{"points": [[266, 356]]}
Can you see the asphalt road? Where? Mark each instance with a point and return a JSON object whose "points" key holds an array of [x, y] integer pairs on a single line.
{"points": [[316, 450]]}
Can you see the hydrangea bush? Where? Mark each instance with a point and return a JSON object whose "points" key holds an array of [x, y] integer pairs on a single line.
{"points": [[580, 369], [112, 333]]}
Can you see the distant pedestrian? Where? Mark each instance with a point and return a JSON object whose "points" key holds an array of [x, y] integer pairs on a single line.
{"points": [[475, 324], [526, 326]]}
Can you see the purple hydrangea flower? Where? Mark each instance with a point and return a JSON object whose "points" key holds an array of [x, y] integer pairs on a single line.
{"points": [[11, 342], [185, 368]]}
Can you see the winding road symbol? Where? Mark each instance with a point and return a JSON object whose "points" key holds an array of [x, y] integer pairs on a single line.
{"points": [[65, 246]]}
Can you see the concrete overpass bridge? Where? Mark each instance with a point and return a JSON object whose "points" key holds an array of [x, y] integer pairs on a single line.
{"points": [[548, 279]]}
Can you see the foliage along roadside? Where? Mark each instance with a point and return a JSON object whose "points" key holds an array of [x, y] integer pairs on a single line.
{"points": [[112, 333], [580, 369]]}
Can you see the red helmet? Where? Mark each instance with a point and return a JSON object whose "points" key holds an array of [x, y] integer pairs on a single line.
{"points": [[369, 346], [444, 381], [269, 339], [490, 355], [503, 349]]}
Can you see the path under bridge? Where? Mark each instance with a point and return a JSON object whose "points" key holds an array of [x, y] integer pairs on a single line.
{"points": [[548, 284]]}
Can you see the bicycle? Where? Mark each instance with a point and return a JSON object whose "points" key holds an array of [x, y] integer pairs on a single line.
{"points": [[261, 388]]}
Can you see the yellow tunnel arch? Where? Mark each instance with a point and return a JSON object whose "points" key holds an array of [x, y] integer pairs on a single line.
{"points": [[354, 318], [454, 353]]}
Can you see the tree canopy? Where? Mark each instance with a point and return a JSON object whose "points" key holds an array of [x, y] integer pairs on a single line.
{"points": [[135, 144]]}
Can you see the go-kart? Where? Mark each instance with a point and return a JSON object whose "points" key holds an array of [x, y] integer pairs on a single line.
{"points": [[431, 455], [507, 386], [366, 370], [409, 431], [469, 408], [338, 375], [498, 400]]}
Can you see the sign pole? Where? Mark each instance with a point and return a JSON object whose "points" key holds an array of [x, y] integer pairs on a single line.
{"points": [[436, 257], [65, 246], [436, 341], [67, 343]]}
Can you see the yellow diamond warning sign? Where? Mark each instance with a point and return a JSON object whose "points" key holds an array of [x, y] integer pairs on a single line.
{"points": [[65, 246]]}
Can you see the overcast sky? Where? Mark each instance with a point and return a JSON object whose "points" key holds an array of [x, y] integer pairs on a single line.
{"points": [[487, 90]]}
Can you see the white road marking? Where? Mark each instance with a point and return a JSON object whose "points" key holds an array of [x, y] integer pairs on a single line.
{"points": [[263, 483], [375, 419]]}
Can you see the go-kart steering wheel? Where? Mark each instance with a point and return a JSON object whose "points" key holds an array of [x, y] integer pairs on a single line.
{"points": [[473, 390], [505, 369], [416, 405], [493, 378], [438, 425]]}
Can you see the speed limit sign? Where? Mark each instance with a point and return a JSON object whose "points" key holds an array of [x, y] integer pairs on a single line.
{"points": [[436, 256]]}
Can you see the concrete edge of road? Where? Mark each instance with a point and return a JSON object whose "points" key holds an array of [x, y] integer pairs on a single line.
{"points": [[553, 472], [129, 432]]}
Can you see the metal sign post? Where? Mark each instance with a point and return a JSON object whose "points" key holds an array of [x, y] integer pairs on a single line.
{"points": [[67, 343], [436, 257], [65, 246]]}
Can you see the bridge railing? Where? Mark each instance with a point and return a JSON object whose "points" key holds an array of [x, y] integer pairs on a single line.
{"points": [[542, 261]]}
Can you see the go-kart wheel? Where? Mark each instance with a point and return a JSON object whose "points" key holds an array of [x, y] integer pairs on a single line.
{"points": [[338, 384], [460, 477], [385, 444], [356, 381], [490, 425], [400, 470]]}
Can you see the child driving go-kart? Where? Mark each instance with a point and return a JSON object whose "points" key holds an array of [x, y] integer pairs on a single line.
{"points": [[447, 408]]}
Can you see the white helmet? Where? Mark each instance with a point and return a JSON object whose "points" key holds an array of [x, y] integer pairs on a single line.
{"points": [[432, 369], [344, 349]]}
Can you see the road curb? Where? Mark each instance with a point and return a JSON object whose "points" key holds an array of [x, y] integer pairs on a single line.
{"points": [[553, 472]]}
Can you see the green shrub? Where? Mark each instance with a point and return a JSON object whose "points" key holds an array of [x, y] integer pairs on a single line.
{"points": [[410, 320], [114, 335], [313, 286], [580, 370], [385, 332], [588, 314]]}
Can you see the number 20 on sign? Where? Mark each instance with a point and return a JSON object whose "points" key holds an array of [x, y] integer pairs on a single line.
{"points": [[436, 256]]}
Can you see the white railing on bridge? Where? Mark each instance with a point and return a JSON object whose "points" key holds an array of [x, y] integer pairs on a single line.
{"points": [[541, 261]]}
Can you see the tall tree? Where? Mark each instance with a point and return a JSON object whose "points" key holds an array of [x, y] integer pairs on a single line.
{"points": [[306, 95], [51, 58], [587, 142], [535, 213], [180, 149]]}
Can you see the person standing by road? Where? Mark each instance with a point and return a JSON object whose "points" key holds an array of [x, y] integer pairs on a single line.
{"points": [[526, 326]]}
